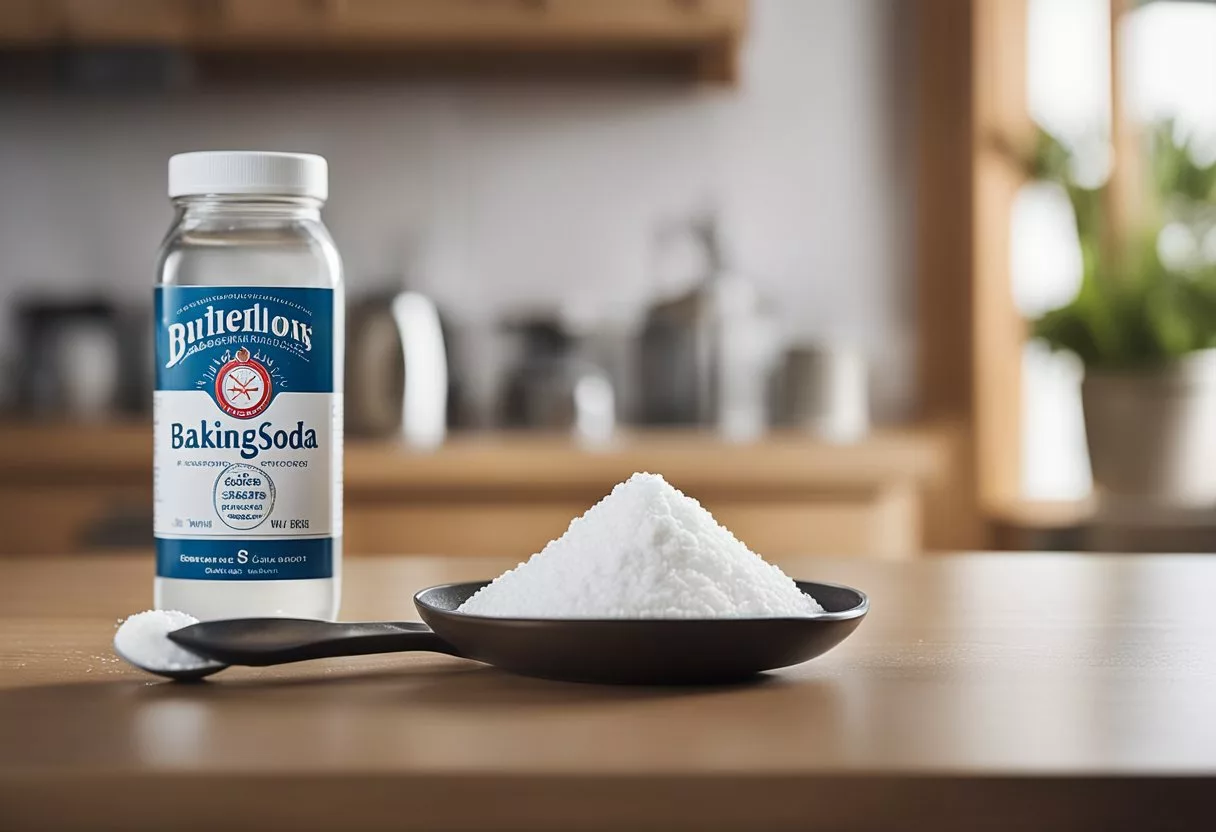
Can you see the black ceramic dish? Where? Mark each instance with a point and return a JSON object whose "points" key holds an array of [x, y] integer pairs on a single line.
{"points": [[609, 651], [640, 652]]}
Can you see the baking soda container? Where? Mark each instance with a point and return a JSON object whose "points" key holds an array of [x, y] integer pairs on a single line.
{"points": [[248, 405]]}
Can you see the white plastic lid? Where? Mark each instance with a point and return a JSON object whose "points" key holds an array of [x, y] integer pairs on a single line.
{"points": [[248, 172]]}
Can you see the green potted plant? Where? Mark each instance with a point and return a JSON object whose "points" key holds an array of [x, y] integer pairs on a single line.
{"points": [[1144, 328]]}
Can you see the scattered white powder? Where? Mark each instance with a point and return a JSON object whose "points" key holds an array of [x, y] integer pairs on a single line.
{"points": [[644, 551], [141, 639]]}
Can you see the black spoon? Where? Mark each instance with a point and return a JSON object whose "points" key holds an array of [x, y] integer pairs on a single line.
{"points": [[615, 651]]}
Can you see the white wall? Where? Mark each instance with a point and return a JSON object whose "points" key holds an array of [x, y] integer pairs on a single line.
{"points": [[522, 193]]}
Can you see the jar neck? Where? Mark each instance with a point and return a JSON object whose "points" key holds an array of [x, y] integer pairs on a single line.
{"points": [[253, 207]]}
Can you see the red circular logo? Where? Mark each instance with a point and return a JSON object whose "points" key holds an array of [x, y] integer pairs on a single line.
{"points": [[242, 386]]}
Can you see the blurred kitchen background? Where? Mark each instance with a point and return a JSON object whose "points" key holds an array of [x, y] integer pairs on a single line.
{"points": [[792, 254]]}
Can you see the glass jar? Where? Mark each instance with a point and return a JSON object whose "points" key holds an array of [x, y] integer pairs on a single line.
{"points": [[248, 404]]}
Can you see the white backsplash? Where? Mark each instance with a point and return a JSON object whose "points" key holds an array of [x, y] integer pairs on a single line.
{"points": [[505, 196]]}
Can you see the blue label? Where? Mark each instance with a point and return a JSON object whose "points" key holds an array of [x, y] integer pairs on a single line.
{"points": [[247, 431], [287, 334], [245, 560]]}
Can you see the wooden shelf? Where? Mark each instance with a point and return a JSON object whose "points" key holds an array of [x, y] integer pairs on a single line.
{"points": [[531, 462], [80, 486], [1094, 526], [697, 38]]}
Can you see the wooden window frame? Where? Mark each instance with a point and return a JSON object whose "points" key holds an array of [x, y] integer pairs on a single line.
{"points": [[972, 107]]}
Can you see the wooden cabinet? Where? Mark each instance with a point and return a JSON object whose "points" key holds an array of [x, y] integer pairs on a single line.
{"points": [[89, 488], [883, 521], [25, 22], [126, 21], [700, 36], [492, 22]]}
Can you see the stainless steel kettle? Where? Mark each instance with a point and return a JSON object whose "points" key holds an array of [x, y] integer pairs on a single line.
{"points": [[704, 357], [397, 369]]}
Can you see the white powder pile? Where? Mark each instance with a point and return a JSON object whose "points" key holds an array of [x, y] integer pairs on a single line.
{"points": [[141, 639], [644, 551]]}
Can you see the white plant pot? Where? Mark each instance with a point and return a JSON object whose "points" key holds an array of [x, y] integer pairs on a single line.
{"points": [[1152, 434]]}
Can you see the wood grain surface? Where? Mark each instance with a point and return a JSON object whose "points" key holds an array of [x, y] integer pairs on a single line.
{"points": [[983, 691]]}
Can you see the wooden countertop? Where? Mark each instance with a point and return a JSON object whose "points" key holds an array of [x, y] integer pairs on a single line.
{"points": [[520, 461], [983, 692]]}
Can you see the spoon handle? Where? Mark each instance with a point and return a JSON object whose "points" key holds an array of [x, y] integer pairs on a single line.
{"points": [[259, 642]]}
